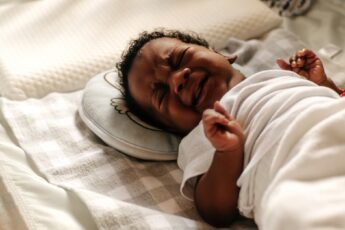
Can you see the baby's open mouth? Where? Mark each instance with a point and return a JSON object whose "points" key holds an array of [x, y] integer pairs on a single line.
{"points": [[198, 92]]}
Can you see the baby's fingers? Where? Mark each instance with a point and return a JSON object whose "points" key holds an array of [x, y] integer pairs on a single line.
{"points": [[214, 123], [220, 109], [299, 62], [210, 118], [296, 61], [307, 53], [235, 128], [283, 64]]}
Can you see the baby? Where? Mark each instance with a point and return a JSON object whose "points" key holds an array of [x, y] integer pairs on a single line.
{"points": [[174, 80]]}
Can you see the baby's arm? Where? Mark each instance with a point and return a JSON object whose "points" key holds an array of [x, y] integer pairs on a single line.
{"points": [[216, 193], [307, 64]]}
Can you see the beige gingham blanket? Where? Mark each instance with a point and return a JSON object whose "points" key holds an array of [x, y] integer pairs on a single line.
{"points": [[119, 191]]}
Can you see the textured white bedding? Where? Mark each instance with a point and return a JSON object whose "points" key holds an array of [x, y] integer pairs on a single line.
{"points": [[56, 46], [323, 29], [324, 24], [27, 200]]}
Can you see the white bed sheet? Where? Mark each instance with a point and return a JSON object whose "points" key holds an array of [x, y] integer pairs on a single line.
{"points": [[28, 201], [323, 24]]}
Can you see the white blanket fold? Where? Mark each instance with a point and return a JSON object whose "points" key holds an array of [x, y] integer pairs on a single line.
{"points": [[265, 104]]}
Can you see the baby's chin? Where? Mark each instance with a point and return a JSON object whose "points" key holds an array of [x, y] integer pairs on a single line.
{"points": [[218, 96], [209, 104], [187, 128]]}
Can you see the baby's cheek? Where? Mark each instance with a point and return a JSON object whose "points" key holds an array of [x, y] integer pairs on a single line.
{"points": [[185, 119]]}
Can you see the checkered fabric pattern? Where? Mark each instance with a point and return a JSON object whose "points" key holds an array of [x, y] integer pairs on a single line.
{"points": [[118, 190]]}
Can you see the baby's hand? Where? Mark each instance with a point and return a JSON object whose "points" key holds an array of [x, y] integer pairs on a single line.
{"points": [[307, 64], [222, 130]]}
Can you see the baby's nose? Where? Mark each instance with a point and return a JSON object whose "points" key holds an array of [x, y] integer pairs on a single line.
{"points": [[179, 79]]}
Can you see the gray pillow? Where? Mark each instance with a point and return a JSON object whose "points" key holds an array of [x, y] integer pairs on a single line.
{"points": [[104, 111]]}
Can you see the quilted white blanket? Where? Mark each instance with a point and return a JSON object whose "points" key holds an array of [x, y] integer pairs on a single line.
{"points": [[56, 46]]}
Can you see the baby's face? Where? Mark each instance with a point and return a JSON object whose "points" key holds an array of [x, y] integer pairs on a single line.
{"points": [[174, 82]]}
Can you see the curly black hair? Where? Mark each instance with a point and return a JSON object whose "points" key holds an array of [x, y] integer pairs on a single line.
{"points": [[128, 56]]}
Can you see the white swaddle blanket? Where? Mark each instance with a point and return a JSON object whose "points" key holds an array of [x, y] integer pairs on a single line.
{"points": [[265, 104]]}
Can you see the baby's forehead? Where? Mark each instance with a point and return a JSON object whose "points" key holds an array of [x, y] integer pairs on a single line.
{"points": [[160, 44], [156, 49], [153, 52]]}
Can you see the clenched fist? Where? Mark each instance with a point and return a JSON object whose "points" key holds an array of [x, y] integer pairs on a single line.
{"points": [[222, 130], [307, 64]]}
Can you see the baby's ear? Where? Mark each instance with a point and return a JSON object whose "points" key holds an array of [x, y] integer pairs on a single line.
{"points": [[231, 58]]}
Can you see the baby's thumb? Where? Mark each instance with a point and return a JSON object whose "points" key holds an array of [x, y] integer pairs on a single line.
{"points": [[220, 109], [282, 64]]}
